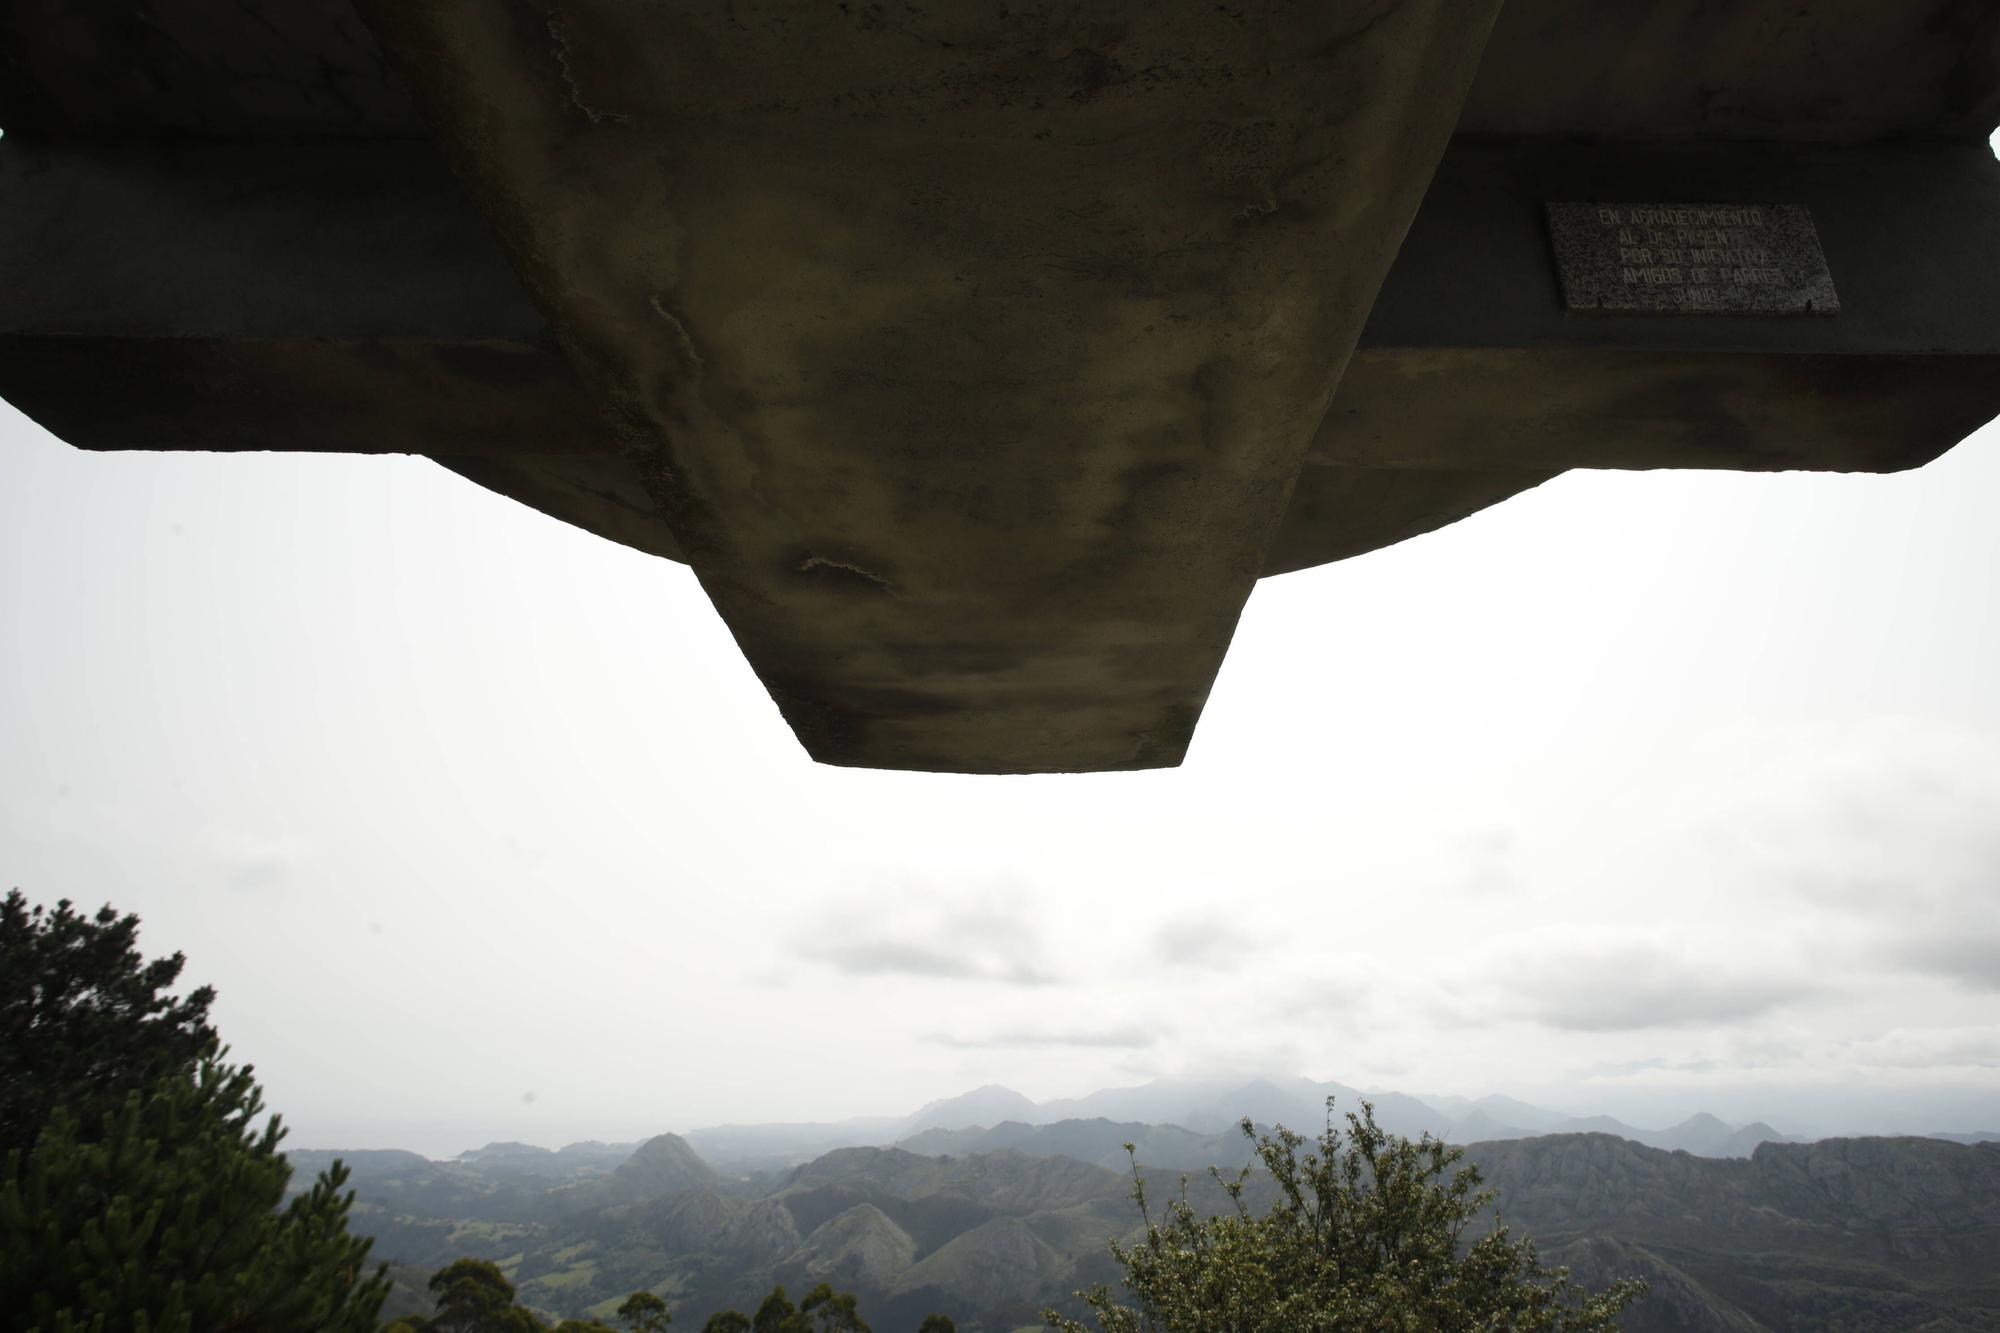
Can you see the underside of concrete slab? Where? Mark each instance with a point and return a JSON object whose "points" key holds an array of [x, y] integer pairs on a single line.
{"points": [[980, 359]]}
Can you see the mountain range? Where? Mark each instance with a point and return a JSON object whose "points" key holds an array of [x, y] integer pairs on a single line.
{"points": [[1858, 1234], [989, 1206], [1204, 1108]]}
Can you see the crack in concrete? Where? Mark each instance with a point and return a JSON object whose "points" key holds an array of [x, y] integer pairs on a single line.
{"points": [[687, 347], [597, 115], [813, 562]]}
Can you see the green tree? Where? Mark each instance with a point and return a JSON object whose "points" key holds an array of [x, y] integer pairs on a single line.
{"points": [[778, 1315], [84, 1020], [937, 1323], [645, 1312], [834, 1311], [167, 1220], [727, 1321], [474, 1296], [1367, 1232]]}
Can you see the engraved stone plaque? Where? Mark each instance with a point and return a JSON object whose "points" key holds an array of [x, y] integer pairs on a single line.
{"points": [[1696, 259]]}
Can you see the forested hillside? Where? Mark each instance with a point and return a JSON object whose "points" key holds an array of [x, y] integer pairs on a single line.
{"points": [[1855, 1234], [1859, 1234]]}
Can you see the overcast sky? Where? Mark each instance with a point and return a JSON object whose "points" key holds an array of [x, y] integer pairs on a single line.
{"points": [[1640, 793]]}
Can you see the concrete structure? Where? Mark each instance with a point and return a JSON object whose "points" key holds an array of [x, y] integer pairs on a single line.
{"points": [[979, 358]]}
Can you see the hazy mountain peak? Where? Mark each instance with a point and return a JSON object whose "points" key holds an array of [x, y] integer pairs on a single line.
{"points": [[1519, 1114], [859, 1247], [662, 1165], [666, 1150], [1482, 1126], [503, 1149], [994, 1116], [988, 1105]]}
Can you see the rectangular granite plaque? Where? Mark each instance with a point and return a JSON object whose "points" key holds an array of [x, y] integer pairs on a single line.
{"points": [[1691, 259]]}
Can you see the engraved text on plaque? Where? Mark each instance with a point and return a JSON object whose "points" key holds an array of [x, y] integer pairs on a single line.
{"points": [[1750, 259]]}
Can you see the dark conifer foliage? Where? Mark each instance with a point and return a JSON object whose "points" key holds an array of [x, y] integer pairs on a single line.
{"points": [[138, 1191], [84, 1020], [167, 1220]]}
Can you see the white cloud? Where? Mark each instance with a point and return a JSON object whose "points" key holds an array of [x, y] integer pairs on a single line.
{"points": [[1887, 838], [1121, 1037], [1926, 1049], [1625, 979], [1207, 941], [990, 938], [255, 863]]}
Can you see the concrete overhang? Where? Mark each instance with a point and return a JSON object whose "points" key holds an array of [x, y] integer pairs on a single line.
{"points": [[979, 365]]}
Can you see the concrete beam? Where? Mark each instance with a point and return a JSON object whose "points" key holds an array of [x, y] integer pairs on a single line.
{"points": [[1829, 71], [348, 297], [1769, 71], [1473, 382], [196, 69], [1471, 361], [340, 297]]}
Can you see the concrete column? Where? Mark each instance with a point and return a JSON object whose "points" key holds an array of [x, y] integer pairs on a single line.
{"points": [[971, 354]]}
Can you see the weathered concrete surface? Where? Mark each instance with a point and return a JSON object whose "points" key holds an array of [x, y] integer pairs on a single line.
{"points": [[1790, 71], [1907, 231], [1828, 71], [1339, 510], [345, 297], [1607, 408], [342, 296], [604, 494], [217, 69], [1473, 382], [1470, 366], [1042, 389], [978, 350]]}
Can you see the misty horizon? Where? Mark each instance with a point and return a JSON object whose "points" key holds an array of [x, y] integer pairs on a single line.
{"points": [[891, 1128]]}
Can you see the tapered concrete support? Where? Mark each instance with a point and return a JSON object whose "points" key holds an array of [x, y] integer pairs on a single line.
{"points": [[971, 354]]}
